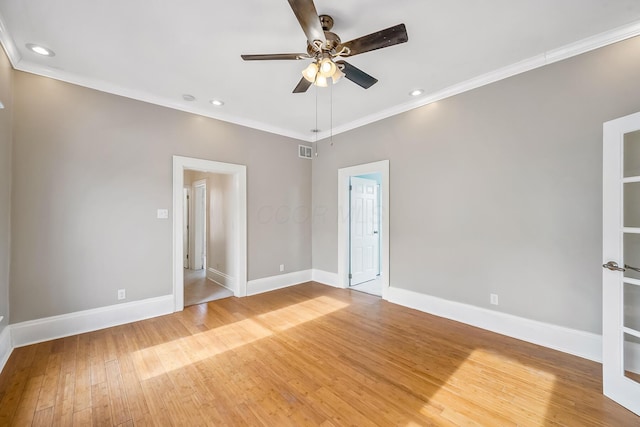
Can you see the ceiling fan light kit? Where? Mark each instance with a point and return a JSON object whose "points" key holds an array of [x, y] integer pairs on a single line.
{"points": [[327, 50]]}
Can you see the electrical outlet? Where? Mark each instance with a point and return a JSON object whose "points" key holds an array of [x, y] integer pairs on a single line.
{"points": [[494, 299], [122, 294], [281, 267]]}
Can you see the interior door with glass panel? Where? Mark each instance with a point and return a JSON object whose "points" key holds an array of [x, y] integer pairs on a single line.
{"points": [[621, 261]]}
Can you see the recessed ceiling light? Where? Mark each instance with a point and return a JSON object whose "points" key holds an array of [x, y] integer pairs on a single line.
{"points": [[416, 92], [188, 97], [216, 102], [40, 50]]}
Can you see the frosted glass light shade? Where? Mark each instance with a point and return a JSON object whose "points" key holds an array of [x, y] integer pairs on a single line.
{"points": [[337, 75], [327, 68], [310, 72], [321, 80]]}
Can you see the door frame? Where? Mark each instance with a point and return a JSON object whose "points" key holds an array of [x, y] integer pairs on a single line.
{"points": [[186, 224], [344, 175], [238, 213]]}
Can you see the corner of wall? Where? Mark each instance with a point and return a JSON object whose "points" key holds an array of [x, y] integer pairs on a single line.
{"points": [[6, 348]]}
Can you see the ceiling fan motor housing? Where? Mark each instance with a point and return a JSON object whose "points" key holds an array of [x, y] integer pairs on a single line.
{"points": [[332, 38]]}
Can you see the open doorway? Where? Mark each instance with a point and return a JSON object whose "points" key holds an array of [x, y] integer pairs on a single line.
{"points": [[228, 268], [366, 261], [206, 209]]}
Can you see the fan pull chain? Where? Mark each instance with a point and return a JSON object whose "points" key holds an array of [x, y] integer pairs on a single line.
{"points": [[331, 114], [315, 129]]}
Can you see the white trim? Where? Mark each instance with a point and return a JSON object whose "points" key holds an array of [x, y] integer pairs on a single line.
{"points": [[567, 51], [221, 279], [572, 341], [272, 283], [9, 45], [549, 57], [5, 346], [326, 278], [631, 281], [238, 211], [49, 328], [381, 167]]}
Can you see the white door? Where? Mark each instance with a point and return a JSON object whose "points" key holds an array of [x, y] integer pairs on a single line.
{"points": [[621, 261], [199, 224], [185, 227], [364, 231]]}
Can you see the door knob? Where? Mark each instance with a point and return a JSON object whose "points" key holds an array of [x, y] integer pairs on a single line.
{"points": [[613, 266]]}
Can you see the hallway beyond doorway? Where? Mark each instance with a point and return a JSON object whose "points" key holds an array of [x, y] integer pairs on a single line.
{"points": [[198, 289]]}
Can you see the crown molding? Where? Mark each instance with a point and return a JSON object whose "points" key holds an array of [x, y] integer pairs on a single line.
{"points": [[9, 45], [567, 51]]}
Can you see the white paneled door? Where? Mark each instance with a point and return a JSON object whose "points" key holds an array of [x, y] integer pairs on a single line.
{"points": [[364, 231], [621, 261]]}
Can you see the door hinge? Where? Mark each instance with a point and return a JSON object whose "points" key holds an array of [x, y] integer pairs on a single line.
{"points": [[187, 256], [350, 276], [350, 187]]}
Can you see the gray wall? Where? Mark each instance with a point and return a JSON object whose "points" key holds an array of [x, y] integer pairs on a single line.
{"points": [[89, 171], [497, 190], [5, 183]]}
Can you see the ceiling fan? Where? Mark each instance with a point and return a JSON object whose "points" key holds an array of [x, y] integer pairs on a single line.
{"points": [[327, 50]]}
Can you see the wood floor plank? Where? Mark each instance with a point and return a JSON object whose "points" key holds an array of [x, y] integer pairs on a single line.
{"points": [[82, 418], [27, 407], [82, 389], [43, 417], [118, 401], [304, 355], [100, 405], [63, 409]]}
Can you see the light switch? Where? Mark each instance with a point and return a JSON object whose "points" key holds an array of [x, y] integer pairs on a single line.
{"points": [[163, 213]]}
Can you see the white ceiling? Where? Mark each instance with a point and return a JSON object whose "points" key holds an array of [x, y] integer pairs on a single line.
{"points": [[157, 51]]}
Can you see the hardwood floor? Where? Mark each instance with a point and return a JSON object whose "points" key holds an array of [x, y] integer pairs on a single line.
{"points": [[305, 355]]}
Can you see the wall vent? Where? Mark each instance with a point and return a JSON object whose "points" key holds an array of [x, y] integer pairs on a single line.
{"points": [[305, 152]]}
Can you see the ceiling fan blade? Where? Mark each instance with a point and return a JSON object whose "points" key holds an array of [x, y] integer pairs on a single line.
{"points": [[275, 56], [357, 76], [303, 85], [384, 38], [308, 18]]}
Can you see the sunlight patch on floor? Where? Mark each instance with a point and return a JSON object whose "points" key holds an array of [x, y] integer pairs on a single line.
{"points": [[488, 379], [166, 357]]}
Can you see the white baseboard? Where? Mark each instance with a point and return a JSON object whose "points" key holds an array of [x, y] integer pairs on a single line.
{"points": [[5, 346], [579, 343], [272, 283], [49, 328], [221, 279], [325, 278]]}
